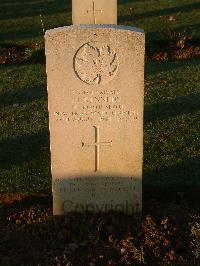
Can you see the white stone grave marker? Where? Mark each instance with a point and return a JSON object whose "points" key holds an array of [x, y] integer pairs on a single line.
{"points": [[95, 80]]}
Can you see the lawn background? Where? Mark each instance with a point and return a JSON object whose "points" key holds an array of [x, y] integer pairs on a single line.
{"points": [[171, 130]]}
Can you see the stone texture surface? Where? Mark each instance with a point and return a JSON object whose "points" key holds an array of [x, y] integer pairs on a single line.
{"points": [[95, 78], [94, 11]]}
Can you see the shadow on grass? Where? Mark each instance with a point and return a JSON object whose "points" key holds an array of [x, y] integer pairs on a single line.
{"points": [[159, 12], [181, 105], [168, 181], [155, 36], [188, 28], [21, 9], [153, 67], [123, 2], [21, 150], [17, 97], [17, 34]]}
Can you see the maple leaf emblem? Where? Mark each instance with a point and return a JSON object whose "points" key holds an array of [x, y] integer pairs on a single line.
{"points": [[96, 64]]}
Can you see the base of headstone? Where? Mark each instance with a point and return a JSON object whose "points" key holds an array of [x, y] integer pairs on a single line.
{"points": [[97, 195]]}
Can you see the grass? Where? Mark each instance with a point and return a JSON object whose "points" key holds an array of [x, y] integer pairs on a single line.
{"points": [[171, 156], [24, 135], [21, 23], [172, 125], [30, 234], [171, 102]]}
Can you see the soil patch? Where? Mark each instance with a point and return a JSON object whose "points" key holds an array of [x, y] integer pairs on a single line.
{"points": [[157, 51], [30, 235], [16, 54], [12, 55]]}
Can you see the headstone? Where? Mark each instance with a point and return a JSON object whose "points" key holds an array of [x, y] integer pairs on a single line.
{"points": [[94, 12], [95, 80]]}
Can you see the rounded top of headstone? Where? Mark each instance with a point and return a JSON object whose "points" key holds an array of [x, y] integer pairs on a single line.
{"points": [[94, 26]]}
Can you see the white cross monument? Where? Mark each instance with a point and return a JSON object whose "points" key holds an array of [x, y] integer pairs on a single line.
{"points": [[94, 12]]}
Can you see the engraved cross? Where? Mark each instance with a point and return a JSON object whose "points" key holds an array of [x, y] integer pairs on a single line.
{"points": [[97, 146], [94, 11]]}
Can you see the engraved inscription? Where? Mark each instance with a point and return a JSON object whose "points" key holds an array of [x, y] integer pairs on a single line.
{"points": [[97, 106], [96, 113], [96, 63], [97, 145], [111, 184], [117, 188]]}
